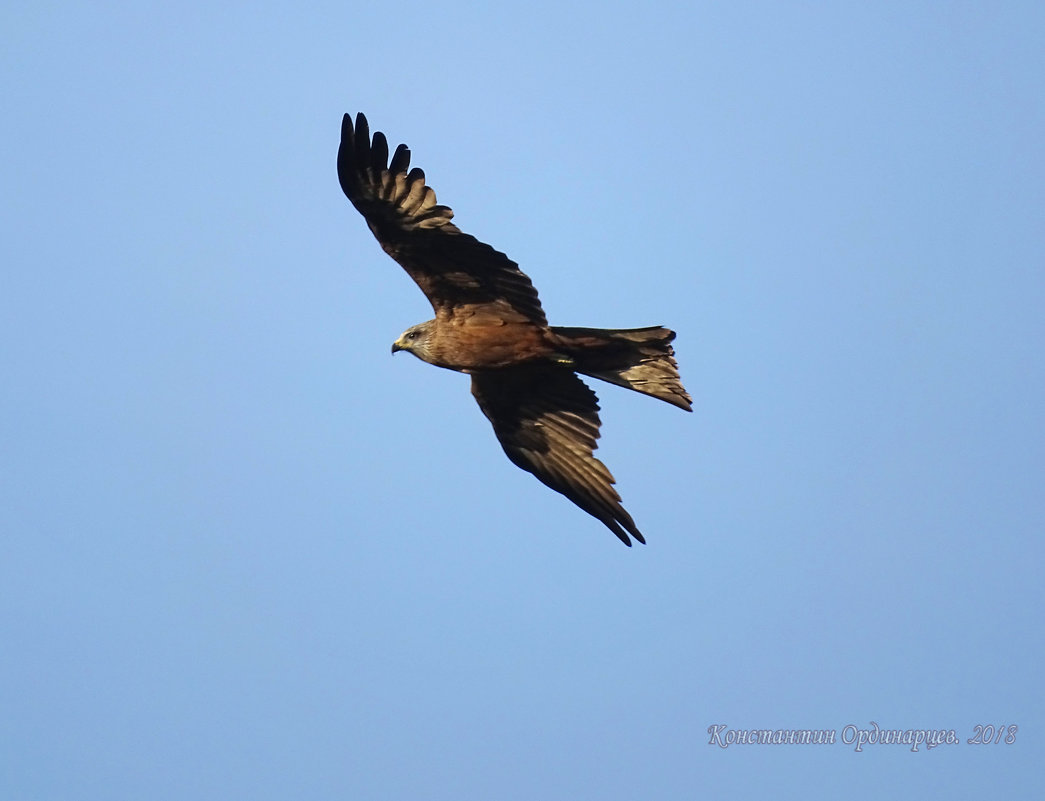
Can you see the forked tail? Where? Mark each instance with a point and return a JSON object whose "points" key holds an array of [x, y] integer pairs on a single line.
{"points": [[641, 359]]}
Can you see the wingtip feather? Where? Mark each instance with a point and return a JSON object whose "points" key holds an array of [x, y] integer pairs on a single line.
{"points": [[400, 160], [362, 141], [379, 153]]}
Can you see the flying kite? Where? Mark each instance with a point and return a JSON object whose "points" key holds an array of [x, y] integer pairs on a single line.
{"points": [[489, 324]]}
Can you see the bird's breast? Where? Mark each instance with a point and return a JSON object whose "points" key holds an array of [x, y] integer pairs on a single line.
{"points": [[480, 344]]}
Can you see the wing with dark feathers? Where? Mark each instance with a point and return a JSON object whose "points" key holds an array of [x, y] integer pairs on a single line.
{"points": [[453, 269], [547, 421]]}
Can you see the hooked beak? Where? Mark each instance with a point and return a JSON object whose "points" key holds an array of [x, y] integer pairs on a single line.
{"points": [[395, 347]]}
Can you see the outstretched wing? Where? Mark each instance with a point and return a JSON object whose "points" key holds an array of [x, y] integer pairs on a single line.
{"points": [[453, 269], [547, 421]]}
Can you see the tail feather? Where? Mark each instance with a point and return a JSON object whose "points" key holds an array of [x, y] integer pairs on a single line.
{"points": [[641, 359]]}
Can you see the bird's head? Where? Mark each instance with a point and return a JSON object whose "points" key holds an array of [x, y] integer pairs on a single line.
{"points": [[416, 340]]}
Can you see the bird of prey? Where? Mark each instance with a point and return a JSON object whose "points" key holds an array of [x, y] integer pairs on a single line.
{"points": [[489, 324]]}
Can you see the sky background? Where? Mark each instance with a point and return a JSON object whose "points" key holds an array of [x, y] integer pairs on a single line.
{"points": [[247, 554]]}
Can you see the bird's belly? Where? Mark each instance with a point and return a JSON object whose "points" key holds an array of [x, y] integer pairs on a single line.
{"points": [[482, 346]]}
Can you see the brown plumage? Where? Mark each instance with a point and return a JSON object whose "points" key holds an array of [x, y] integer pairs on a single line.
{"points": [[489, 323]]}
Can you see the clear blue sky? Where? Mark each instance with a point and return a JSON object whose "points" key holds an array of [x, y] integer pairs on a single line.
{"points": [[247, 554]]}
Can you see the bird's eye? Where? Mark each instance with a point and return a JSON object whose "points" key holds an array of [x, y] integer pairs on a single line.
{"points": [[412, 335]]}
